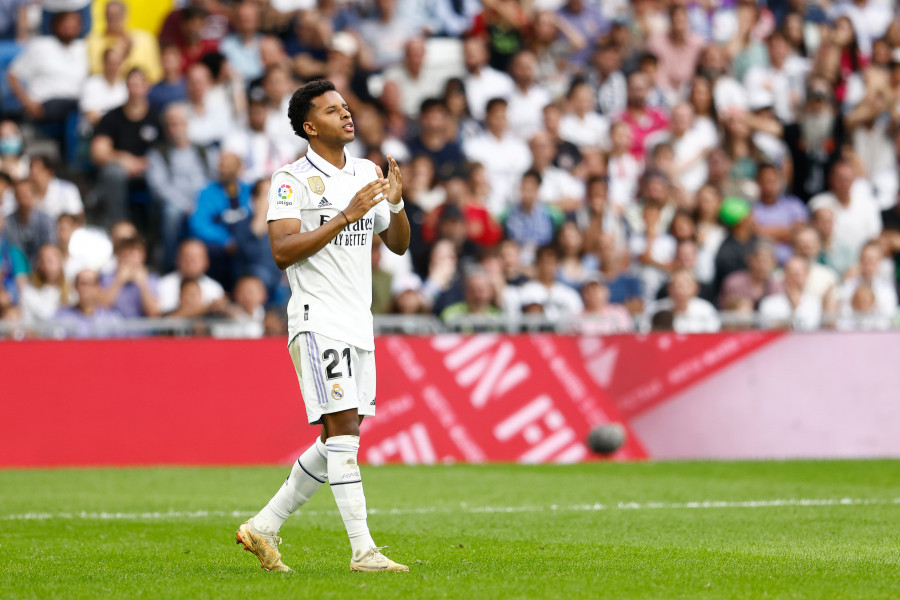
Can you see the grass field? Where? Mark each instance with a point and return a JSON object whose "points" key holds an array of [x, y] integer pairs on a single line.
{"points": [[766, 530]]}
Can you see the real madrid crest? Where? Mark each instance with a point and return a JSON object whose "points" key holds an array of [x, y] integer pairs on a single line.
{"points": [[316, 184], [336, 392]]}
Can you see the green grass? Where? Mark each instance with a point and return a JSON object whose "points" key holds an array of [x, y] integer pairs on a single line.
{"points": [[455, 547]]}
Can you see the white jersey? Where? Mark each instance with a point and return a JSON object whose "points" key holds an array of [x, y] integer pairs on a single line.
{"points": [[331, 291]]}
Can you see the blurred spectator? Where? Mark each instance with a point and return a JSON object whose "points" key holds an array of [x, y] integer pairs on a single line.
{"points": [[139, 48], [247, 314], [13, 269], [502, 153], [528, 99], [567, 155], [131, 291], [443, 285], [209, 116], [558, 300], [609, 81], [686, 257], [106, 90], [187, 29], [677, 50], [53, 195], [12, 150], [782, 77], [757, 280], [452, 226], [559, 188], [530, 223], [220, 207], [260, 154], [192, 264], [691, 145], [241, 48], [308, 43], [417, 83], [736, 215], [388, 32], [581, 124], [643, 119], [372, 139], [653, 250], [575, 267], [177, 171], [47, 289], [406, 290], [462, 124], [47, 76], [624, 288], [254, 254], [482, 82], [190, 301], [867, 275], [478, 300], [690, 313], [29, 227], [382, 298], [436, 140], [582, 21], [777, 214], [822, 281], [862, 313], [793, 308], [88, 318], [624, 170], [119, 150], [817, 140], [857, 217], [599, 316], [173, 85], [480, 228]]}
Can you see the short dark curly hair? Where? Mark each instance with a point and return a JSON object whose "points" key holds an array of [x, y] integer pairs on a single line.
{"points": [[301, 103]]}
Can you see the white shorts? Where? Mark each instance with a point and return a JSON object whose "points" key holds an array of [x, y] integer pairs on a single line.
{"points": [[334, 376]]}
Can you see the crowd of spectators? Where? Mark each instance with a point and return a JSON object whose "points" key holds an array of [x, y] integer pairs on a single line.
{"points": [[611, 165]]}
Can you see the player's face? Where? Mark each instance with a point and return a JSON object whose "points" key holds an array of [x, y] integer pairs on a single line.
{"points": [[331, 120]]}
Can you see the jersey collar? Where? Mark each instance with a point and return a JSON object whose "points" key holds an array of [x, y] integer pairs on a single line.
{"points": [[328, 169]]}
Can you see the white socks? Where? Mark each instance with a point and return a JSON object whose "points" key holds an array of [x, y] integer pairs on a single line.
{"points": [[307, 476], [346, 485]]}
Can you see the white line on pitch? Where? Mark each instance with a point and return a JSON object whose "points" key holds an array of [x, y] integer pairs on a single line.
{"points": [[465, 508]]}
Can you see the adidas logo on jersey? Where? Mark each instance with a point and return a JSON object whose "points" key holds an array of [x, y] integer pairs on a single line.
{"points": [[324, 202]]}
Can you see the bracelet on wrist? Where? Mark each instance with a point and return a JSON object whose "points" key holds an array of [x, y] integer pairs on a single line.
{"points": [[395, 208]]}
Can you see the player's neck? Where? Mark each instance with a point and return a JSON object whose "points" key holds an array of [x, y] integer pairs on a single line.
{"points": [[331, 154]]}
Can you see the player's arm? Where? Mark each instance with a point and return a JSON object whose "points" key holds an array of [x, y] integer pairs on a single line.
{"points": [[289, 244], [396, 236]]}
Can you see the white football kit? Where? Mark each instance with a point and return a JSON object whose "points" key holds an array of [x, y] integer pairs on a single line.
{"points": [[329, 314]]}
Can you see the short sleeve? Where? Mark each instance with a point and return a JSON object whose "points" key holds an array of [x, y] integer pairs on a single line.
{"points": [[382, 216], [107, 125], [287, 197]]}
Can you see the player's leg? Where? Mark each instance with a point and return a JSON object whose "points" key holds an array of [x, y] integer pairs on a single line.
{"points": [[259, 534], [344, 475]]}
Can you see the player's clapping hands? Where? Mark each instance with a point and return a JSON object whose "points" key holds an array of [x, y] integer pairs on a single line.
{"points": [[395, 180], [367, 197]]}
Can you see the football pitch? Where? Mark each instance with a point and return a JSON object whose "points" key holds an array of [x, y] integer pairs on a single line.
{"points": [[809, 529]]}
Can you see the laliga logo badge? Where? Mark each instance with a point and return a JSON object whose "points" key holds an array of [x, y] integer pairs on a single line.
{"points": [[285, 192], [336, 392]]}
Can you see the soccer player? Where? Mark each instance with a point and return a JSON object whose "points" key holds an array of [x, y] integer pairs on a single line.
{"points": [[323, 212]]}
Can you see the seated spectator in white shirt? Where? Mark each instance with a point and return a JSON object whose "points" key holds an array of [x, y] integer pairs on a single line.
{"points": [[482, 82], [558, 300], [857, 217], [612, 88], [54, 196], [192, 263], [528, 99], [581, 124], [209, 118], [503, 154], [792, 308], [104, 91], [47, 289], [47, 76], [867, 274], [863, 313], [260, 154], [622, 168], [418, 83], [690, 144], [690, 313], [653, 251], [558, 187], [822, 282]]}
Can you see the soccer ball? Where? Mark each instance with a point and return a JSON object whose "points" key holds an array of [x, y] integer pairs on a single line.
{"points": [[606, 438]]}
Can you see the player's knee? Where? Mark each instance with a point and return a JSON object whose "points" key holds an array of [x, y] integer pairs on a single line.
{"points": [[342, 423]]}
